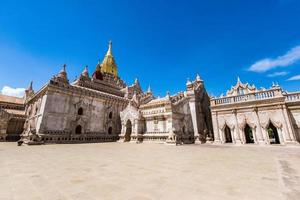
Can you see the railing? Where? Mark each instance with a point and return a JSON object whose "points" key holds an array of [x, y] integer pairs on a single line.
{"points": [[295, 96], [268, 94]]}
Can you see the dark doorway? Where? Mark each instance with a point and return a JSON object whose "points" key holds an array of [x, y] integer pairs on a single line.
{"points": [[128, 131], [273, 134], [110, 130], [78, 129], [14, 129], [248, 134], [228, 137]]}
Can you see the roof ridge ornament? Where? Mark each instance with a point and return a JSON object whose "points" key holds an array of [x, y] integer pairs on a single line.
{"points": [[85, 72]]}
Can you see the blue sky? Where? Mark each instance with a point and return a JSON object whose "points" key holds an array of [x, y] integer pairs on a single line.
{"points": [[162, 42]]}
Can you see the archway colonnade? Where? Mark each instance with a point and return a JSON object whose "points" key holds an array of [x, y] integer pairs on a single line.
{"points": [[248, 134]]}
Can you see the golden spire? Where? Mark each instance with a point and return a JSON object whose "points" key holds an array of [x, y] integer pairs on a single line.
{"points": [[108, 64]]}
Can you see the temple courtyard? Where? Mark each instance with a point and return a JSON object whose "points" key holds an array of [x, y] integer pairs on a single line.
{"points": [[148, 171]]}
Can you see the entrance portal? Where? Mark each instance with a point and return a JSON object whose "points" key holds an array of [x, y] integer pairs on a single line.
{"points": [[78, 129], [228, 138], [248, 134], [273, 134], [14, 129], [128, 131]]}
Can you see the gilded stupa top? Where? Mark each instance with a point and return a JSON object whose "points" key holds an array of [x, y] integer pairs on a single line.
{"points": [[108, 64]]}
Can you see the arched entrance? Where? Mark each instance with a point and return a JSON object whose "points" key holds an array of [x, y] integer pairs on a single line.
{"points": [[78, 129], [227, 132], [128, 131], [248, 134], [273, 134]]}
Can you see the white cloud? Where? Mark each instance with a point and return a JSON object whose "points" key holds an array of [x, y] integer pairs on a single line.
{"points": [[291, 57], [283, 73], [16, 92], [294, 78]]}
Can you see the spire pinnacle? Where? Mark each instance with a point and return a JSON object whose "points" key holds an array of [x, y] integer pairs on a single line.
{"points": [[238, 79], [30, 86], [85, 72], [188, 82], [109, 51], [149, 89], [63, 74], [29, 91], [198, 78]]}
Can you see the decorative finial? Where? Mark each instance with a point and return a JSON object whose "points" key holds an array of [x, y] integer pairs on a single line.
{"points": [[168, 94], [198, 78], [109, 51], [29, 91], [136, 81], [273, 84], [30, 86], [149, 89], [85, 72], [64, 67], [63, 73], [238, 79], [188, 82]]}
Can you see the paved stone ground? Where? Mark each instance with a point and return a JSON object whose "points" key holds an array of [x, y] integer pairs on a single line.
{"points": [[131, 171]]}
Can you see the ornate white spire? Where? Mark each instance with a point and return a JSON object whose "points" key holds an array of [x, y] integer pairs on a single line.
{"points": [[168, 95], [136, 81], [238, 80], [198, 78], [149, 89], [188, 82]]}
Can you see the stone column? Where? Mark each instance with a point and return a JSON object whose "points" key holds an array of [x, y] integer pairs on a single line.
{"points": [[192, 105], [266, 135], [232, 132], [221, 134], [281, 139], [290, 135], [123, 130], [237, 130], [260, 139], [216, 127]]}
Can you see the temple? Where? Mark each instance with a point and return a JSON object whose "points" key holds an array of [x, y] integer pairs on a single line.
{"points": [[101, 107]]}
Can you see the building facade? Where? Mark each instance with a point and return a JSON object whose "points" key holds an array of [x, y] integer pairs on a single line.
{"points": [[247, 115], [101, 107], [12, 117]]}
